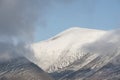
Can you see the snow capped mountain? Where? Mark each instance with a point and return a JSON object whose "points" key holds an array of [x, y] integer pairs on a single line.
{"points": [[65, 48], [80, 54]]}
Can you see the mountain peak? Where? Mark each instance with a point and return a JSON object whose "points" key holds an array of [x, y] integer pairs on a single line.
{"points": [[76, 31]]}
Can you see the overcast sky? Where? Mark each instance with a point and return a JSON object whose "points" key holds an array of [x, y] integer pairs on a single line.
{"points": [[96, 14]]}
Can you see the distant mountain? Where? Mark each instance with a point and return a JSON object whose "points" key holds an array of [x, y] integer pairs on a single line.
{"points": [[21, 69], [79, 54]]}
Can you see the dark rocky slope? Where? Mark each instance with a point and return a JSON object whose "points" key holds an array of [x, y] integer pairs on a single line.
{"points": [[21, 69]]}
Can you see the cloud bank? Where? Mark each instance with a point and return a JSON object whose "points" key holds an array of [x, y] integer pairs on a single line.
{"points": [[107, 44], [18, 19]]}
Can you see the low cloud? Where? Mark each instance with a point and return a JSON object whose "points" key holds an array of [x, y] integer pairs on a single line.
{"points": [[18, 19], [107, 44]]}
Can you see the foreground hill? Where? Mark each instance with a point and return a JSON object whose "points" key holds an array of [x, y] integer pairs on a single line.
{"points": [[21, 69]]}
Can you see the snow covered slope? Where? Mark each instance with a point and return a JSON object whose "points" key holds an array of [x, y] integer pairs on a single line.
{"points": [[65, 48]]}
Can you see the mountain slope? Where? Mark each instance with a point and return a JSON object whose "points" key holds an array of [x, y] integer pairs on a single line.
{"points": [[21, 69], [95, 69]]}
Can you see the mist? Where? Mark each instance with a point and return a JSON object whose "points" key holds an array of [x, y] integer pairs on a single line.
{"points": [[106, 45], [18, 19]]}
